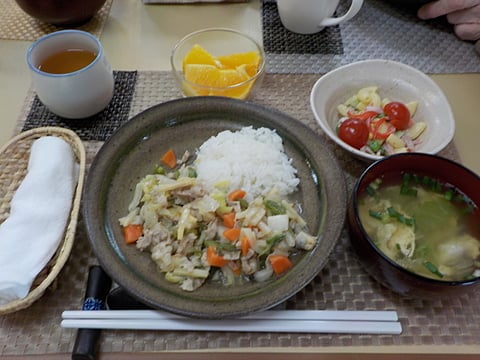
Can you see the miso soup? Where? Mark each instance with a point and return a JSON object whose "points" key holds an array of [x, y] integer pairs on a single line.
{"points": [[424, 225]]}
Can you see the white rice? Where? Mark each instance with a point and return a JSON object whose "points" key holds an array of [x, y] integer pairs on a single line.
{"points": [[253, 160]]}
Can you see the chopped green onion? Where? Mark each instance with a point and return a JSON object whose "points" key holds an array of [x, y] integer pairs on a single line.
{"points": [[426, 180], [243, 204], [272, 242], [379, 215], [392, 212], [407, 190], [400, 217], [275, 239], [406, 178], [376, 214], [373, 186], [175, 174], [159, 170], [436, 186], [274, 208], [370, 190], [431, 183], [432, 268], [192, 172], [375, 145], [221, 246], [410, 221], [449, 194]]}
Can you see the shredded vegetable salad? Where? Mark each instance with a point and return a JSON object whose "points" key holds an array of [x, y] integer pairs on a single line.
{"points": [[379, 126], [228, 236]]}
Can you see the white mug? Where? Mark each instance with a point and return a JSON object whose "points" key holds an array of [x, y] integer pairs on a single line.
{"points": [[73, 94], [311, 16]]}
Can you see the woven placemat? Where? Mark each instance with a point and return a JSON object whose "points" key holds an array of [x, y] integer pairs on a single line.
{"points": [[15, 24], [341, 285], [97, 127], [379, 30]]}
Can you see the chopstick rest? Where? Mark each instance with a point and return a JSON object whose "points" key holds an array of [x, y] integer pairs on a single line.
{"points": [[39, 212], [98, 286]]}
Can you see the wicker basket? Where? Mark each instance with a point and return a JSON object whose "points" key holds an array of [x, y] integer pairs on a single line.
{"points": [[14, 158]]}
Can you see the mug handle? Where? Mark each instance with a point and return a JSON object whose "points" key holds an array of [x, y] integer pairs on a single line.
{"points": [[352, 11]]}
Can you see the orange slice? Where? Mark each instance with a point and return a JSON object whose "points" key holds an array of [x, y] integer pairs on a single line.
{"points": [[212, 73], [232, 61], [198, 55], [211, 79]]}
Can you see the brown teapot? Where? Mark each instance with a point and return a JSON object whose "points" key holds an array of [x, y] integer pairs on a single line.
{"points": [[61, 12]]}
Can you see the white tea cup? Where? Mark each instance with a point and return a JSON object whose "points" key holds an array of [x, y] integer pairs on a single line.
{"points": [[311, 16], [74, 87]]}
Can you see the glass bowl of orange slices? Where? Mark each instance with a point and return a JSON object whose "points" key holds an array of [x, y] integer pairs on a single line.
{"points": [[218, 62]]}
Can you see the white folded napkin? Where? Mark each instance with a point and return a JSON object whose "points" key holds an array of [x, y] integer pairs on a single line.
{"points": [[39, 212]]}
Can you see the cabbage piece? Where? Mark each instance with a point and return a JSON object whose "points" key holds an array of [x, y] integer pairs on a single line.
{"points": [[293, 214], [435, 216], [186, 222], [305, 241], [278, 222], [179, 183]]}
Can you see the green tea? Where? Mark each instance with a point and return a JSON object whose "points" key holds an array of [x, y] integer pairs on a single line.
{"points": [[67, 61]]}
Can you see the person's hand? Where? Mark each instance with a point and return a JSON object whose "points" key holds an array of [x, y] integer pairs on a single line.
{"points": [[463, 14]]}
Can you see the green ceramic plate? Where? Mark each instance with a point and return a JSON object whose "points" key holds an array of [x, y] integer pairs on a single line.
{"points": [[134, 150]]}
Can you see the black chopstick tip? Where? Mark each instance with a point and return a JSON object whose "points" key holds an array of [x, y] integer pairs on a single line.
{"points": [[98, 287]]}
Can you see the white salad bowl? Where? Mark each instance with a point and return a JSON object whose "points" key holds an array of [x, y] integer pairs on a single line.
{"points": [[395, 81]]}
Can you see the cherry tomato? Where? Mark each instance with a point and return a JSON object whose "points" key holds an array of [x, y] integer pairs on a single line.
{"points": [[354, 132], [398, 114]]}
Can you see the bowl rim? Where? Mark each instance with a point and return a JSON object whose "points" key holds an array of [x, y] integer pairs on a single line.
{"points": [[394, 264], [178, 74], [323, 123]]}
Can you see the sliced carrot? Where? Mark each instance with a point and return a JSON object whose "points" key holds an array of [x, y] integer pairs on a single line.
{"points": [[236, 195], [232, 234], [169, 159], [245, 245], [279, 263], [229, 219], [132, 233], [214, 259]]}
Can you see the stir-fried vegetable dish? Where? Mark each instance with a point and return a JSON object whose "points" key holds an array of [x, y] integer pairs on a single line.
{"points": [[225, 235]]}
